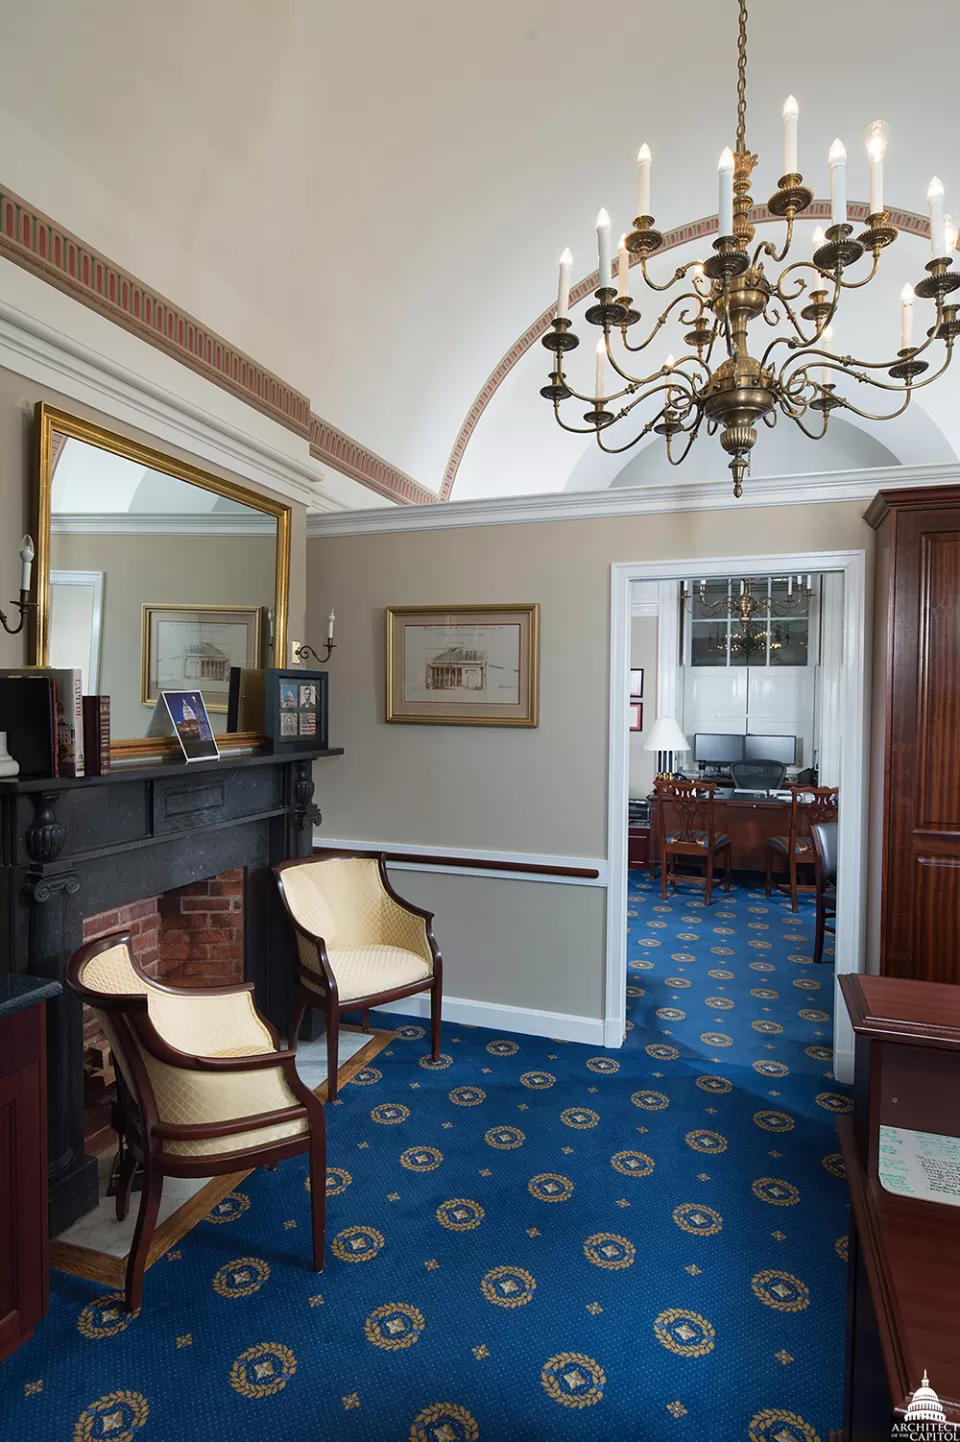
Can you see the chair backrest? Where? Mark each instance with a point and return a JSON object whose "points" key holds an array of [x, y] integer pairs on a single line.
{"points": [[105, 975], [338, 898], [758, 775], [691, 803], [809, 806], [824, 834]]}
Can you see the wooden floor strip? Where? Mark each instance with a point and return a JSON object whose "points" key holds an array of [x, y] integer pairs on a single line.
{"points": [[109, 1270]]}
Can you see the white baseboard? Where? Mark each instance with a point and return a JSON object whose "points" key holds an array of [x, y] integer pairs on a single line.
{"points": [[558, 1024]]}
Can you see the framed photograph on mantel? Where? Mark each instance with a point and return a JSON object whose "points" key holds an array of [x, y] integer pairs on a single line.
{"points": [[295, 710], [187, 648], [464, 665]]}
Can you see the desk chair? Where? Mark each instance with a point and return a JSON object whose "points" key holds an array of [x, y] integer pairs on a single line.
{"points": [[203, 1088], [758, 775], [823, 837], [693, 835], [359, 943], [809, 806]]}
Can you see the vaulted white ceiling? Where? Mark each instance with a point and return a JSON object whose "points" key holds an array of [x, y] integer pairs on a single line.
{"points": [[371, 198]]}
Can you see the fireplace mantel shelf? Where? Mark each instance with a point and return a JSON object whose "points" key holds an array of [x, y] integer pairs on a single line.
{"points": [[130, 771]]}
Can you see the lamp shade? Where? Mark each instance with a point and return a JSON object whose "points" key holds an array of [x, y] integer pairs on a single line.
{"points": [[665, 735]]}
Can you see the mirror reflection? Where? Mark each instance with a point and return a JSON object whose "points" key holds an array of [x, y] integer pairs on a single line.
{"points": [[155, 583]]}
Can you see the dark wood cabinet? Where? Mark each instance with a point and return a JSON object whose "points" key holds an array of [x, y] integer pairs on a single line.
{"points": [[916, 721], [24, 1289], [638, 843]]}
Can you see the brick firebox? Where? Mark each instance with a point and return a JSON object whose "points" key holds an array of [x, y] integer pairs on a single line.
{"points": [[192, 936]]}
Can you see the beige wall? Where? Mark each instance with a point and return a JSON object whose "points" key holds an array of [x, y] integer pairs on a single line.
{"points": [[643, 652], [487, 788], [18, 473], [158, 570]]}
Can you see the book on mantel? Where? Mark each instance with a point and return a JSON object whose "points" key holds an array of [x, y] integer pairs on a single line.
{"points": [[68, 694], [29, 717], [96, 735]]}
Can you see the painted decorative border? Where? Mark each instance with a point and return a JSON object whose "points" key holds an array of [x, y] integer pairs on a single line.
{"points": [[348, 456], [906, 220], [32, 240]]}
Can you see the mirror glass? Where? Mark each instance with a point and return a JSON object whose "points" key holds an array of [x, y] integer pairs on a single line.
{"points": [[156, 582]]}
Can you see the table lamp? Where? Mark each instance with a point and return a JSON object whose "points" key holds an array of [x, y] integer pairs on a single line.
{"points": [[666, 739]]}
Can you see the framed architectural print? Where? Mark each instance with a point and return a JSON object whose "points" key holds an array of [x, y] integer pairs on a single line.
{"points": [[187, 648], [636, 683], [635, 710], [464, 665]]}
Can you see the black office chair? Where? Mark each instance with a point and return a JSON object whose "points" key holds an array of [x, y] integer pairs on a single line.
{"points": [[823, 836], [758, 775]]}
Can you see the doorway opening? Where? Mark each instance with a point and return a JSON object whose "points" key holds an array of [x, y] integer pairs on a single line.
{"points": [[796, 678]]}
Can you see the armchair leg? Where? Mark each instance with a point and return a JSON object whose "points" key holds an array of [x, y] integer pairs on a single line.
{"points": [[143, 1235], [365, 1018], [793, 883], [435, 1008], [769, 870], [726, 881], [333, 1049], [819, 936], [709, 878], [318, 1189]]}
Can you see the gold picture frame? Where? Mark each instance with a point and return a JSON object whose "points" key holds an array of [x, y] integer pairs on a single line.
{"points": [[52, 422], [207, 655], [463, 665]]}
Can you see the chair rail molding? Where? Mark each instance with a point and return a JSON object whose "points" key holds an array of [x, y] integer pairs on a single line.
{"points": [[815, 489], [854, 722], [459, 861]]}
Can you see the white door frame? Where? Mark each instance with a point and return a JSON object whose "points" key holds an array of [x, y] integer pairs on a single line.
{"points": [[854, 721]]}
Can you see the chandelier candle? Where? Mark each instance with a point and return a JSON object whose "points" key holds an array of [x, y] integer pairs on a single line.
{"points": [[791, 112], [601, 370], [876, 150], [563, 290], [838, 183], [603, 247], [734, 372], [935, 207], [906, 317], [623, 268], [725, 170], [644, 159]]}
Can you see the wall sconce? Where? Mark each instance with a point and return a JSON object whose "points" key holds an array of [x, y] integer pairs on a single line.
{"points": [[307, 653], [24, 604]]}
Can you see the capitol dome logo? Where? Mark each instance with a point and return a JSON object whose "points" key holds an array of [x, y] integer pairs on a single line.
{"points": [[925, 1419]]}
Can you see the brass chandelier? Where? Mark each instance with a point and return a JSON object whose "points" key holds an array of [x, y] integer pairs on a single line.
{"points": [[747, 606], [720, 297]]}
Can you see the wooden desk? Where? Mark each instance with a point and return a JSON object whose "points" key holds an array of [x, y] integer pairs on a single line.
{"points": [[748, 821]]}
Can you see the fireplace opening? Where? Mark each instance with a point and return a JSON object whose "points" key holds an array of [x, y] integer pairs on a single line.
{"points": [[189, 937]]}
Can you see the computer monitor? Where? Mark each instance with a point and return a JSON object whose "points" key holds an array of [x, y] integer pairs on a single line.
{"points": [[771, 748], [717, 750]]}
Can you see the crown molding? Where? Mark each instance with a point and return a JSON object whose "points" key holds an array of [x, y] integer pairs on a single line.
{"points": [[31, 347], [127, 523], [815, 489]]}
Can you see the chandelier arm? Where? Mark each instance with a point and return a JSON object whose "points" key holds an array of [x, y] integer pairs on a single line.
{"points": [[574, 430], [618, 450], [691, 437], [662, 319], [678, 274], [806, 341], [821, 275], [767, 247], [858, 284], [811, 435], [589, 400]]}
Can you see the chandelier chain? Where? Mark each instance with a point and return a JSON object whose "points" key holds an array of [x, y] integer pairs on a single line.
{"points": [[742, 80]]}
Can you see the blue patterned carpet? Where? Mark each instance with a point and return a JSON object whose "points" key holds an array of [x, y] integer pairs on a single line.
{"points": [[534, 1240]]}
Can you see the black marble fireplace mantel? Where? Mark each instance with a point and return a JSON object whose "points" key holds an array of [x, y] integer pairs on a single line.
{"points": [[71, 848]]}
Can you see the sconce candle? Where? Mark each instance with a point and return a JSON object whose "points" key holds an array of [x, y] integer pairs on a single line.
{"points": [[330, 624], [27, 554]]}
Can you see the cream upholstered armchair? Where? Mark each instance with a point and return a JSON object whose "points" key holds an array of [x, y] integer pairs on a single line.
{"points": [[203, 1088], [359, 943]]}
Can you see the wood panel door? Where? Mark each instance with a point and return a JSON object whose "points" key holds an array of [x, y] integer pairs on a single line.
{"points": [[920, 909]]}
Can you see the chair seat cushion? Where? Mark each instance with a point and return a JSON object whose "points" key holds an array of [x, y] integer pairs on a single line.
{"points": [[697, 838], [368, 970], [782, 843]]}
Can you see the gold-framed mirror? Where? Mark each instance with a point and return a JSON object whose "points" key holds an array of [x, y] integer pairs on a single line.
{"points": [[153, 574]]}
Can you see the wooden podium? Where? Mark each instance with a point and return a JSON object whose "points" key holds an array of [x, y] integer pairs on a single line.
{"points": [[901, 1147]]}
